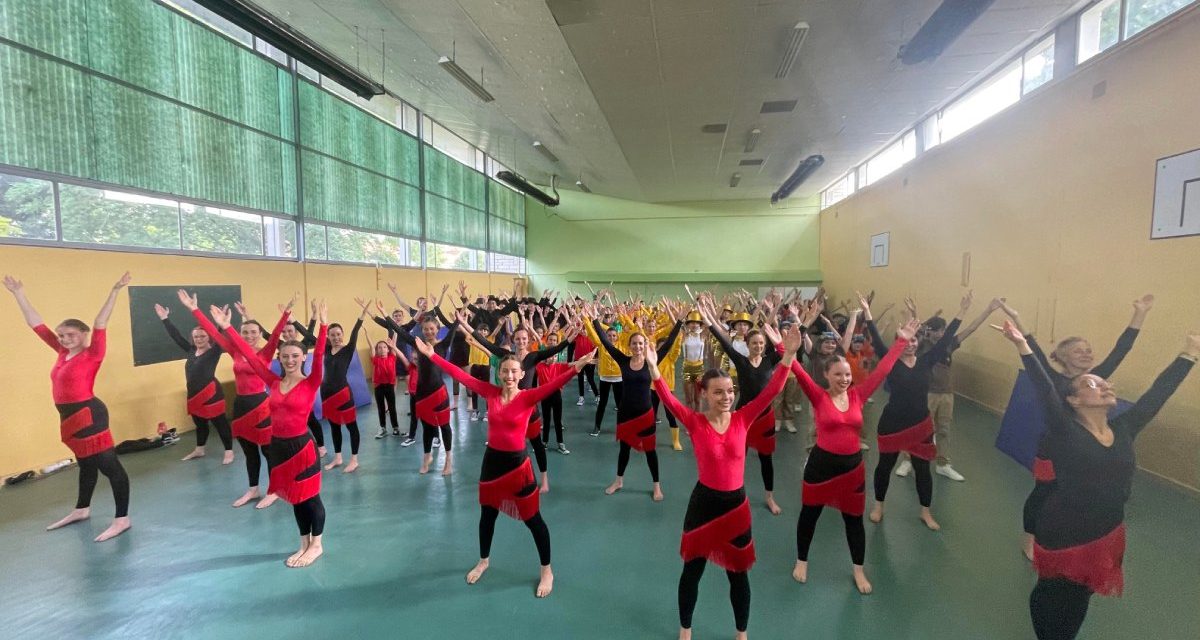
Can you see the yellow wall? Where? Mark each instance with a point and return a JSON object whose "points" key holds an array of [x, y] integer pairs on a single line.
{"points": [[65, 283], [1052, 198]]}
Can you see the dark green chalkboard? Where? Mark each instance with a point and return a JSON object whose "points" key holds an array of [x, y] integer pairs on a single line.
{"points": [[151, 344]]}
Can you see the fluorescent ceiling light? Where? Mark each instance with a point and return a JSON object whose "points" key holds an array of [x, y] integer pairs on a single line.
{"points": [[752, 139], [735, 179], [795, 40], [544, 151], [465, 79]]}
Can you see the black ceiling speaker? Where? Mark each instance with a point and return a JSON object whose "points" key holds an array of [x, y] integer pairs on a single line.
{"points": [[526, 187], [259, 22], [941, 29], [810, 164]]}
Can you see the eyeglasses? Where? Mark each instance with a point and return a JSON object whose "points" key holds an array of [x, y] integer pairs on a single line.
{"points": [[1104, 385]]}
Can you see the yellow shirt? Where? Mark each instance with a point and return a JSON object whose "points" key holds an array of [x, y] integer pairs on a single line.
{"points": [[607, 367], [478, 356], [666, 367]]}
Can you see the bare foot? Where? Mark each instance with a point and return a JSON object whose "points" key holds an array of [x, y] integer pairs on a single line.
{"points": [[425, 462], [309, 556], [118, 526], [303, 547], [860, 580], [267, 501], [196, 453], [1027, 547], [685, 634], [337, 462], [614, 487], [476, 573], [657, 496], [322, 451], [773, 506], [447, 469], [876, 515], [545, 583], [927, 518], [800, 571], [250, 494], [353, 466], [740, 635], [228, 457], [545, 483], [76, 515]]}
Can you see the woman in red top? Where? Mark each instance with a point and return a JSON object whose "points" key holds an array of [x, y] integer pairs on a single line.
{"points": [[583, 344], [834, 474], [506, 482], [251, 410], [295, 467], [717, 524], [383, 374], [84, 418]]}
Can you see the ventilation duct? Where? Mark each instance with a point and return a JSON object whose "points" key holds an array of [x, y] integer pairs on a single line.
{"points": [[941, 29]]}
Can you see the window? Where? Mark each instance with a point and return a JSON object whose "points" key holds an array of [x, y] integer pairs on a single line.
{"points": [[314, 242], [269, 50], [450, 144], [27, 208], [413, 253], [982, 102], [1038, 65], [445, 256], [495, 168], [210, 18], [931, 135], [1140, 14], [307, 71], [349, 245], [892, 158], [98, 216], [409, 118], [506, 264], [279, 237], [1099, 28], [838, 191], [214, 230]]}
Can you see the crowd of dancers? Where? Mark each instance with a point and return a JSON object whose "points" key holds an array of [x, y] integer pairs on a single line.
{"points": [[745, 364]]}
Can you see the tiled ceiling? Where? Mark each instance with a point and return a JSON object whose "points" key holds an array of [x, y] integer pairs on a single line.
{"points": [[622, 91]]}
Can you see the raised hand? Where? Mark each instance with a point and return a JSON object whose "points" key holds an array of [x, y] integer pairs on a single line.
{"points": [[1144, 303], [966, 301], [313, 307], [12, 284], [909, 330], [322, 311], [392, 286], [793, 341], [1192, 346], [911, 306], [584, 361], [1011, 332], [190, 302], [163, 312], [424, 348], [364, 304], [221, 316], [239, 307], [123, 281], [864, 303]]}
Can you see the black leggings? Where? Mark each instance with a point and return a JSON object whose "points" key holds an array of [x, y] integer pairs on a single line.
{"points": [[1033, 504], [480, 372], [689, 588], [856, 533], [429, 432], [314, 427], [253, 461], [539, 451], [670, 416], [605, 388], [537, 526], [768, 470], [552, 412], [588, 372], [223, 430], [623, 461], [310, 516], [883, 476], [385, 402], [412, 416], [1057, 607], [335, 432], [105, 462]]}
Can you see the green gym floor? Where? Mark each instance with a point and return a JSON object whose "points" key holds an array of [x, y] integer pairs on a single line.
{"points": [[397, 545]]}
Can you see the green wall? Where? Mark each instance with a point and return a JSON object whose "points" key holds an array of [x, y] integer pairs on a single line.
{"points": [[655, 248]]}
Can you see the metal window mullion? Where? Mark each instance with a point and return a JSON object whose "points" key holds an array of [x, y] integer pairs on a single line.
{"points": [[1122, 24], [58, 226]]}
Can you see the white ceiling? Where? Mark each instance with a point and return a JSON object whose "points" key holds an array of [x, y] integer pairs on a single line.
{"points": [[618, 89]]}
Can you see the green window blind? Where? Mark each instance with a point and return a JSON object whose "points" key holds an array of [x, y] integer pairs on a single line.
{"points": [[357, 170], [453, 180], [455, 201], [505, 203], [506, 237]]}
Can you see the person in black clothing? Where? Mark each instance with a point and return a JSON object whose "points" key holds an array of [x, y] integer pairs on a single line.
{"points": [[296, 332], [635, 411], [529, 360], [905, 425], [337, 401], [206, 399], [753, 374], [431, 402], [1074, 355], [1080, 526]]}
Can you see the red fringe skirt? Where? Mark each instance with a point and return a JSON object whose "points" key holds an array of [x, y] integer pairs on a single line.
{"points": [[506, 483], [917, 440], [295, 468], [1043, 469], [434, 409], [1095, 564], [339, 407], [83, 427], [638, 432], [717, 528], [836, 481], [208, 403], [761, 436], [252, 418]]}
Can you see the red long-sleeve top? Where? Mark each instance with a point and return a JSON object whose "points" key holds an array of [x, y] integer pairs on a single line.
{"points": [[583, 345], [383, 369], [289, 411], [507, 421], [721, 457], [72, 378], [244, 376], [838, 431]]}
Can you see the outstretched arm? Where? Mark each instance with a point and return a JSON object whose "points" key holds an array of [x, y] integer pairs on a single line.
{"points": [[107, 308], [32, 317], [1125, 342], [1147, 406], [665, 348], [599, 334], [877, 375], [221, 317]]}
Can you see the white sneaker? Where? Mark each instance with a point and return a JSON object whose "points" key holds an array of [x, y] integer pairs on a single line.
{"points": [[863, 446], [382, 433], [408, 442], [791, 428], [580, 402], [562, 448], [437, 442], [596, 400], [904, 468], [949, 472]]}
